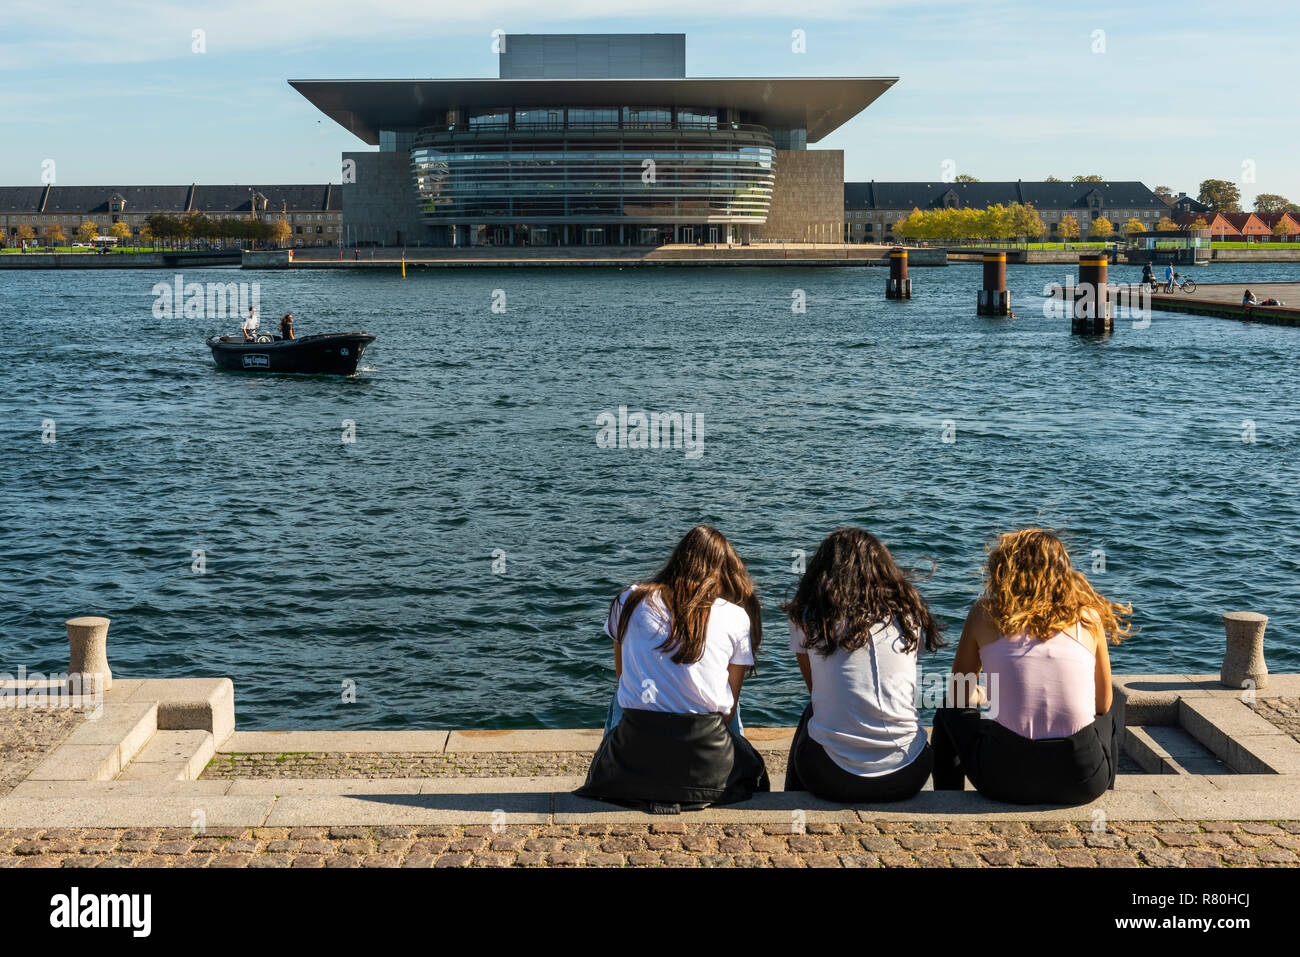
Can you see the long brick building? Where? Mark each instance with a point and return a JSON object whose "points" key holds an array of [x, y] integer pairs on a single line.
{"points": [[871, 209], [314, 212]]}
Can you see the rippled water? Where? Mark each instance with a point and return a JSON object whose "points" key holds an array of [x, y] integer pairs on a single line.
{"points": [[372, 562]]}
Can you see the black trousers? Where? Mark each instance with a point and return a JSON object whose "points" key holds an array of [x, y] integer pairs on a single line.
{"points": [[1007, 767], [810, 768]]}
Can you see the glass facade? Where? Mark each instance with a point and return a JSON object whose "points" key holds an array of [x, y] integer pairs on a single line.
{"points": [[595, 175]]}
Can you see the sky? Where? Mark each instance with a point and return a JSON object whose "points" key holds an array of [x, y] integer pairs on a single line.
{"points": [[114, 93]]}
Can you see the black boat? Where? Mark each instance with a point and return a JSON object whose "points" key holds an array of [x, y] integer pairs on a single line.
{"points": [[330, 353]]}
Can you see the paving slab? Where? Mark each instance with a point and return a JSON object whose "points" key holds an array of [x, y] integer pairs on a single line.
{"points": [[776, 807], [1146, 782], [307, 742], [286, 787], [578, 739], [375, 808], [171, 756], [1132, 805], [79, 762], [1250, 782], [119, 788], [1233, 805], [153, 810]]}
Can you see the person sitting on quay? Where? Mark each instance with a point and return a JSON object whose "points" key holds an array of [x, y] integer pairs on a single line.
{"points": [[1248, 299], [249, 328], [286, 326], [683, 644], [856, 624], [1040, 631]]}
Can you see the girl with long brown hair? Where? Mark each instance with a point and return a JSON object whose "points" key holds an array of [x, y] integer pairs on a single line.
{"points": [[856, 625], [683, 643], [1041, 633]]}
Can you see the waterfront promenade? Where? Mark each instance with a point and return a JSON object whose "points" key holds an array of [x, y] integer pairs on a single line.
{"points": [[161, 778], [1224, 300], [759, 254]]}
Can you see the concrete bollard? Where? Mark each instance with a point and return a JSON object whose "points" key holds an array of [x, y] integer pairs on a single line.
{"points": [[1243, 661], [1092, 316], [898, 286], [88, 652], [994, 300]]}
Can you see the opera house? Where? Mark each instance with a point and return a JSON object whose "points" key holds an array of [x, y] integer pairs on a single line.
{"points": [[596, 139]]}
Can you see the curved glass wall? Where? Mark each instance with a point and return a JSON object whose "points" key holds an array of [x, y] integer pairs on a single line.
{"points": [[602, 165]]}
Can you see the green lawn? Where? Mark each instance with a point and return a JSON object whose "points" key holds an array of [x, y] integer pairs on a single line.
{"points": [[1228, 245], [1098, 244]]}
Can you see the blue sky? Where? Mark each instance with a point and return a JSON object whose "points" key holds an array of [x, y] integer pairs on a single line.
{"points": [[112, 92]]}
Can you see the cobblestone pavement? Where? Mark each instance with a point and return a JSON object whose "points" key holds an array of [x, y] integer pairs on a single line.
{"points": [[27, 735], [397, 764], [1283, 712], [673, 844], [422, 764]]}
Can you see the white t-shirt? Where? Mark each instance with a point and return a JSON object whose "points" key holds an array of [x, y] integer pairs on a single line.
{"points": [[652, 681], [864, 702], [250, 323]]}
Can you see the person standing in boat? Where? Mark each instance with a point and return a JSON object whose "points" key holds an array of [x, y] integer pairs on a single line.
{"points": [[250, 325], [286, 326]]}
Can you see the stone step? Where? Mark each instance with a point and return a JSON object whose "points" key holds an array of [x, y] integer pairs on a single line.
{"points": [[171, 756], [1165, 749]]}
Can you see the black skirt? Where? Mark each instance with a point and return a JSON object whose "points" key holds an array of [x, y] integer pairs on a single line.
{"points": [[1006, 766], [810, 768], [664, 763]]}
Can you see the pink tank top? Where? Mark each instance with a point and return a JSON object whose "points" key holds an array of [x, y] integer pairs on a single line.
{"points": [[1045, 689]]}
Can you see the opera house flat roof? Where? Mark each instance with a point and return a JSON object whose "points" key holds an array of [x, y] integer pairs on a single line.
{"points": [[819, 105]]}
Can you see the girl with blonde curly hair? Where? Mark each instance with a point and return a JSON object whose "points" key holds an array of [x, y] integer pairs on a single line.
{"points": [[1041, 633]]}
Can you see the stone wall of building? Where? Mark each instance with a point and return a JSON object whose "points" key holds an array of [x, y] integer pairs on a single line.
{"points": [[808, 198], [380, 204]]}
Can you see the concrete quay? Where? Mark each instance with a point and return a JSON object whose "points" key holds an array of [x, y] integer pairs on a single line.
{"points": [[1224, 300], [160, 777], [618, 257]]}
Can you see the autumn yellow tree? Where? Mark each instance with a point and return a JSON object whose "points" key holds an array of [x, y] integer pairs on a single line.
{"points": [[280, 231], [26, 233], [1102, 228], [55, 236], [120, 231], [87, 231], [1166, 225], [1133, 227], [1069, 227]]}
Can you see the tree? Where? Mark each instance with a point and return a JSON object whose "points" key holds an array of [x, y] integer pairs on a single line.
{"points": [[1166, 225], [1133, 227], [1101, 227], [1221, 195], [280, 231], [1090, 178], [1069, 227], [966, 178], [26, 233], [54, 236], [1271, 203], [1283, 228], [1164, 192], [1051, 179], [1199, 223], [120, 231], [1025, 221], [87, 231]]}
